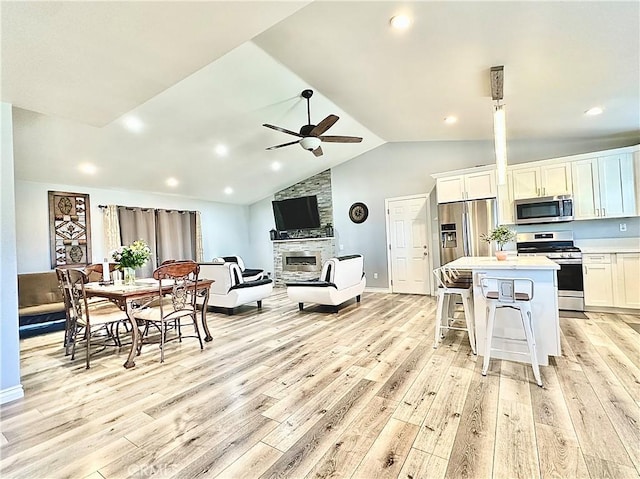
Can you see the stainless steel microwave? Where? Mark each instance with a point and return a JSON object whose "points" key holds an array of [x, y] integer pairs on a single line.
{"points": [[548, 209]]}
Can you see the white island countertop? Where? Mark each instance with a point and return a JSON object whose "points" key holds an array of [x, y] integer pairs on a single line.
{"points": [[513, 262]]}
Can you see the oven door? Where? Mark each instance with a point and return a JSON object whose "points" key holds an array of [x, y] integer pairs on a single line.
{"points": [[570, 284]]}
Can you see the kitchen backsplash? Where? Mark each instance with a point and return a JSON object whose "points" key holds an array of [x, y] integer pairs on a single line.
{"points": [[590, 229]]}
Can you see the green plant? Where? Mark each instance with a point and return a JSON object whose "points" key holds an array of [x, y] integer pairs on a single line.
{"points": [[501, 235], [133, 256]]}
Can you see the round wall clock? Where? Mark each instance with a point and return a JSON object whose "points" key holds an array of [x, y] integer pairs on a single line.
{"points": [[358, 212]]}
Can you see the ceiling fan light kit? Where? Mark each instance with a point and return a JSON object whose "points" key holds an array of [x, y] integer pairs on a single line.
{"points": [[311, 135], [310, 142]]}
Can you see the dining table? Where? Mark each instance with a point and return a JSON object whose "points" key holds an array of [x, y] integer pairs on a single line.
{"points": [[132, 297]]}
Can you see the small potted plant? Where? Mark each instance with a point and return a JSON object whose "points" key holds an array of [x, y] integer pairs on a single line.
{"points": [[501, 235]]}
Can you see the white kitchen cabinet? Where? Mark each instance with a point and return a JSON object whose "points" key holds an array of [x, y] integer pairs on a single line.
{"points": [[612, 280], [598, 280], [546, 180], [604, 187], [469, 186], [626, 277]]}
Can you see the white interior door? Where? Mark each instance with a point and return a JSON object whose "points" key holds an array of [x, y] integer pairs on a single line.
{"points": [[408, 245]]}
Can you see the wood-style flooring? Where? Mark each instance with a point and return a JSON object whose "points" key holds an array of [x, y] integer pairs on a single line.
{"points": [[314, 394]]}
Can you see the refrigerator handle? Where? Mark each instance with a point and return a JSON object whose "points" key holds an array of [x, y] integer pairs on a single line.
{"points": [[465, 233]]}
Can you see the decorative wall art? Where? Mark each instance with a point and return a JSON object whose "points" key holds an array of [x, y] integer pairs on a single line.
{"points": [[69, 229]]}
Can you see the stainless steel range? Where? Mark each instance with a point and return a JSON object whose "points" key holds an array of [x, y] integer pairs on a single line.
{"points": [[558, 246]]}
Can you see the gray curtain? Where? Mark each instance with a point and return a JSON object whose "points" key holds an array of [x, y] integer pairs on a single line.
{"points": [[176, 235], [135, 224]]}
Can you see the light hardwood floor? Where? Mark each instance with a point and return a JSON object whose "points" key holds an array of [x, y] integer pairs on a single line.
{"points": [[313, 394]]}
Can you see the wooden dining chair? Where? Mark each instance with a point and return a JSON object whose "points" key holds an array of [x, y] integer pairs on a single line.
{"points": [[170, 309], [88, 320], [94, 271]]}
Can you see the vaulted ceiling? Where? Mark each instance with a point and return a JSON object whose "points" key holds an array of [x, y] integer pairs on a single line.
{"points": [[196, 75]]}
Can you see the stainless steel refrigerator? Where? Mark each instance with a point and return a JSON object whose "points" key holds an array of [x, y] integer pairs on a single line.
{"points": [[461, 227]]}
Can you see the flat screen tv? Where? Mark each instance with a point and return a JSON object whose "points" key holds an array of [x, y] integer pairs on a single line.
{"points": [[296, 213]]}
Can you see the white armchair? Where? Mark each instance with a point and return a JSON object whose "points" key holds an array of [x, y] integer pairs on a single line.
{"points": [[229, 289], [249, 274], [341, 279]]}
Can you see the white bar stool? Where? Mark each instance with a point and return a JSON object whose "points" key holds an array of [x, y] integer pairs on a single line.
{"points": [[505, 296], [450, 284]]}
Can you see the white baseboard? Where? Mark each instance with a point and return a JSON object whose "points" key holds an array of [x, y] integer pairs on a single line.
{"points": [[11, 394], [377, 290]]}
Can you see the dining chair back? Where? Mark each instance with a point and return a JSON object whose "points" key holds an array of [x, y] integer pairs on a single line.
{"points": [[87, 319], [61, 274], [169, 309], [94, 271]]}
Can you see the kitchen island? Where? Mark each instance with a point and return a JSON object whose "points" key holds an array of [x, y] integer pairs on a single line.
{"points": [[508, 326]]}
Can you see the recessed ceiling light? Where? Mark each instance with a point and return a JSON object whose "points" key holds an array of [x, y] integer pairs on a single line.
{"points": [[172, 182], [228, 190], [133, 123], [400, 22], [275, 166], [222, 150], [596, 110], [88, 168], [450, 120]]}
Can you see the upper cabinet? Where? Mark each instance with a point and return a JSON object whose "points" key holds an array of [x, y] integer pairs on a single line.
{"points": [[467, 186], [545, 180], [604, 187]]}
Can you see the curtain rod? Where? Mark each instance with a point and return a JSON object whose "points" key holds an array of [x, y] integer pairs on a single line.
{"points": [[130, 208]]}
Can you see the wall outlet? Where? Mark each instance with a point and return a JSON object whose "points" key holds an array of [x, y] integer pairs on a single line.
{"points": [[623, 226], [341, 247], [375, 275]]}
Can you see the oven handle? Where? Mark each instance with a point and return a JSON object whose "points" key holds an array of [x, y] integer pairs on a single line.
{"points": [[567, 261]]}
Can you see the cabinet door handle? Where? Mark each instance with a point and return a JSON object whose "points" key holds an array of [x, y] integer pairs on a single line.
{"points": [[597, 211], [603, 212]]}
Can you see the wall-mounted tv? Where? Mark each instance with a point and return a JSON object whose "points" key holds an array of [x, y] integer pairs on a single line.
{"points": [[296, 213]]}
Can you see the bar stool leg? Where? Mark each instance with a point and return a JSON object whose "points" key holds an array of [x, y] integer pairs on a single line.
{"points": [[470, 320], [439, 317], [491, 316], [525, 314]]}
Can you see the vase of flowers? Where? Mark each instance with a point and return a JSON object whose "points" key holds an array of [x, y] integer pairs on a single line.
{"points": [[501, 235], [131, 257]]}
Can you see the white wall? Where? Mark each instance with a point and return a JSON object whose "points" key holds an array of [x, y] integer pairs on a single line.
{"points": [[224, 227], [261, 221], [10, 387]]}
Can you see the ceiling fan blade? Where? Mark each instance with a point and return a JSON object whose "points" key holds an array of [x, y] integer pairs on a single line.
{"points": [[341, 139], [324, 125], [317, 151], [284, 144], [283, 130]]}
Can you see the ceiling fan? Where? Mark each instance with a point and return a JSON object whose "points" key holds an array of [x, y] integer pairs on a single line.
{"points": [[312, 135]]}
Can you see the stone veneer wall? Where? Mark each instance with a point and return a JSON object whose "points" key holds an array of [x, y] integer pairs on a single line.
{"points": [[319, 185], [326, 247], [309, 240]]}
